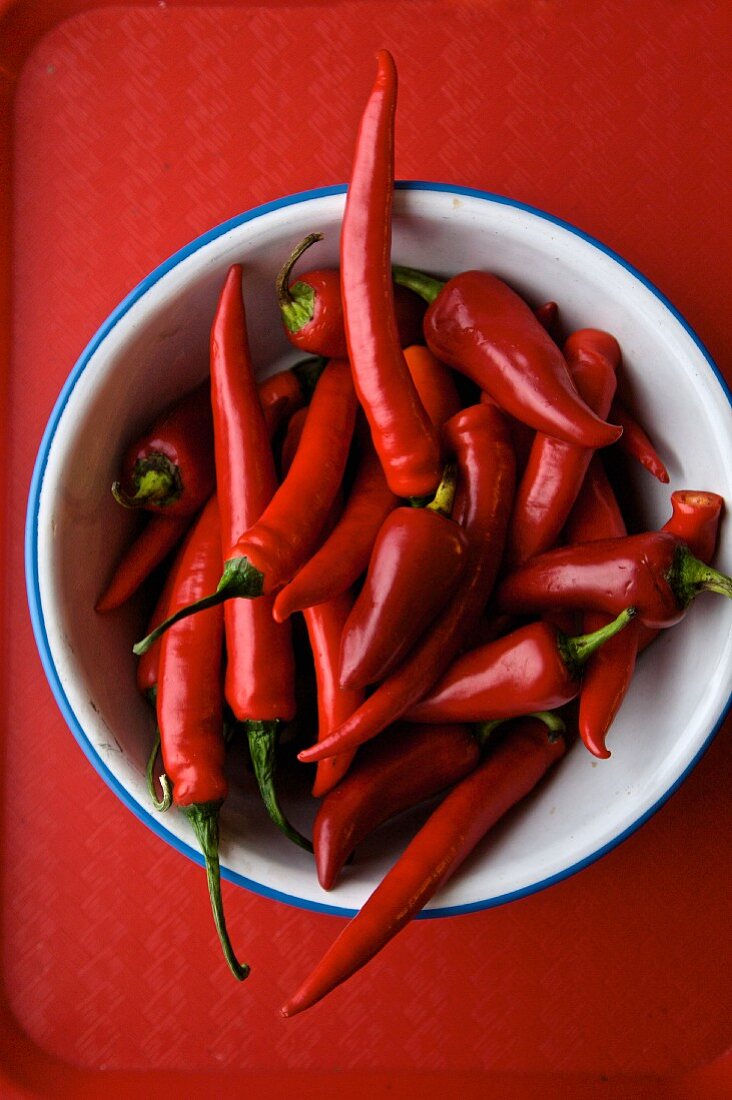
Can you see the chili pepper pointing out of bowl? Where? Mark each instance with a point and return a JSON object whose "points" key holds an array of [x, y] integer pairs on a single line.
{"points": [[508, 773], [479, 439], [654, 571], [406, 441], [477, 324], [171, 466], [190, 708], [417, 561]]}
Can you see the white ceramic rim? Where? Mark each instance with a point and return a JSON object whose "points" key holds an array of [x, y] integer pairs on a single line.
{"points": [[32, 562]]}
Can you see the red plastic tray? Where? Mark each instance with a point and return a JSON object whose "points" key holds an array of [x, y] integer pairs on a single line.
{"points": [[127, 130]]}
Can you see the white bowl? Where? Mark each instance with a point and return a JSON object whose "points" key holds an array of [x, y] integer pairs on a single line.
{"points": [[155, 345]]}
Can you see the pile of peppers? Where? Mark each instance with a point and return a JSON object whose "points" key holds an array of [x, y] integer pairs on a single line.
{"points": [[398, 567]]}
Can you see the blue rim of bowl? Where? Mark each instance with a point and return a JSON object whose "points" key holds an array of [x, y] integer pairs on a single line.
{"points": [[31, 544]]}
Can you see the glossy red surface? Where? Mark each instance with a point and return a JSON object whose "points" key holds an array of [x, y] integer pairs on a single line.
{"points": [[129, 129]]}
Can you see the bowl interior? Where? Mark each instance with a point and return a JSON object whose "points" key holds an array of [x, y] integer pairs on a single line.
{"points": [[155, 346]]}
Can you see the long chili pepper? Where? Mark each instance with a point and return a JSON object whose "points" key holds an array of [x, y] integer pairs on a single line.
{"points": [[480, 326], [344, 554], [392, 774], [270, 552], [635, 441], [312, 307], [283, 393], [607, 676], [260, 668], [404, 437], [171, 466], [509, 772], [190, 708], [479, 439], [150, 547], [324, 623], [654, 571], [555, 470], [535, 667], [416, 564]]}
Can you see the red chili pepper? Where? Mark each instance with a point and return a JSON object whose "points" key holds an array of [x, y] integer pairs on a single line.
{"points": [[477, 324], [150, 547], [548, 317], [535, 667], [635, 442], [608, 675], [344, 554], [312, 308], [260, 667], [555, 470], [509, 772], [655, 572], [479, 439], [416, 564], [324, 624], [190, 707], [392, 774], [171, 465], [283, 393], [695, 517], [404, 437]]}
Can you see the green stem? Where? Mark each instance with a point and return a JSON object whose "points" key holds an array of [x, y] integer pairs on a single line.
{"points": [[689, 576], [164, 803], [204, 818], [239, 579], [444, 497], [577, 650], [156, 480], [296, 302], [262, 737], [425, 286]]}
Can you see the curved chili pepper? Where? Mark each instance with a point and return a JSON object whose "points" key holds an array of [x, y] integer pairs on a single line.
{"points": [[285, 536], [286, 391], [635, 442], [535, 667], [392, 774], [607, 676], [260, 667], [479, 439], [324, 623], [151, 545], [655, 572], [344, 554], [171, 465], [405, 439], [190, 708], [434, 384], [477, 324], [555, 470], [508, 773], [417, 561]]}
